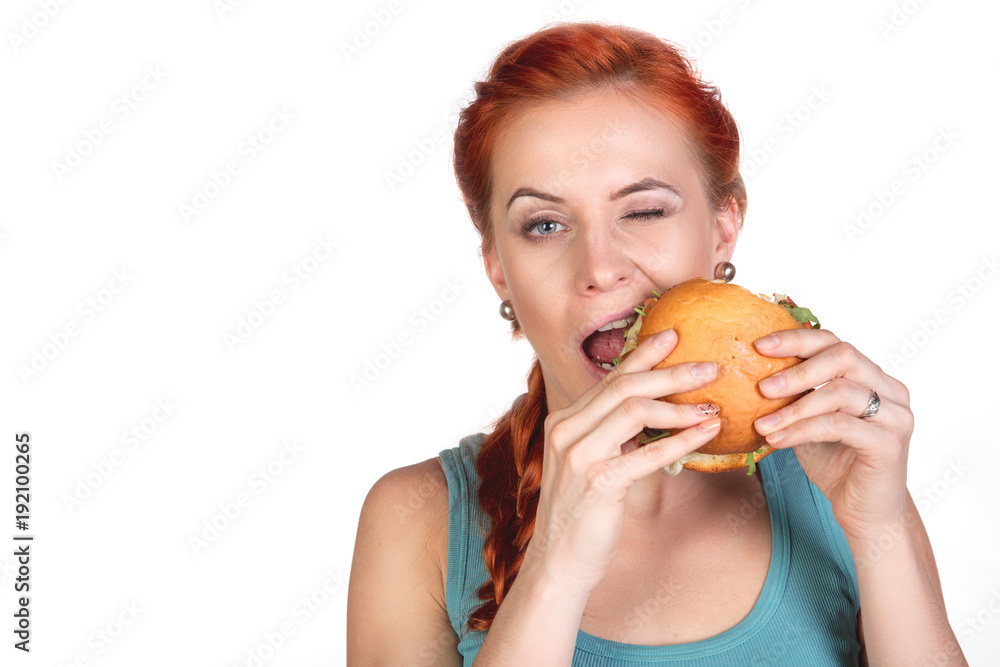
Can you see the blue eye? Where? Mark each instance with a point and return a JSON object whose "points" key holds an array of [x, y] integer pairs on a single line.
{"points": [[548, 223], [532, 224]]}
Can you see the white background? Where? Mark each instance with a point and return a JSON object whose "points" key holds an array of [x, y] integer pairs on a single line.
{"points": [[105, 542]]}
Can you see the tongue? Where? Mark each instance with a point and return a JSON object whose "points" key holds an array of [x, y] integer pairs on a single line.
{"points": [[604, 346]]}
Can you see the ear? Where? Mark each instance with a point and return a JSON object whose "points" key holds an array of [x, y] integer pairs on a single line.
{"points": [[494, 271], [725, 233]]}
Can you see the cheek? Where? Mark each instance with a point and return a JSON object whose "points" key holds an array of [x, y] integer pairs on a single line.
{"points": [[540, 300], [671, 250]]}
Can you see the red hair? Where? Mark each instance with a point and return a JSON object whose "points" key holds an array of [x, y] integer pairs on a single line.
{"points": [[556, 63]]}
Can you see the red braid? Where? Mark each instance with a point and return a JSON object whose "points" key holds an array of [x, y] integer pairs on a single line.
{"points": [[552, 64], [510, 467]]}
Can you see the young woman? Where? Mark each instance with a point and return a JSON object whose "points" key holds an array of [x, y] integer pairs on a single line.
{"points": [[597, 168]]}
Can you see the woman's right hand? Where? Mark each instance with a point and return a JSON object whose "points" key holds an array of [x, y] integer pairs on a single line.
{"points": [[585, 475]]}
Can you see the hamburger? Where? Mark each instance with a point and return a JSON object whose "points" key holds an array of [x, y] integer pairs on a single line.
{"points": [[719, 321]]}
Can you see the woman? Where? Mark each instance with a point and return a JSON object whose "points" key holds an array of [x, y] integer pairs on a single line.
{"points": [[597, 168]]}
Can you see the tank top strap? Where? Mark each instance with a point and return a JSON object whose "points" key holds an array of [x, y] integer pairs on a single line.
{"points": [[468, 527]]}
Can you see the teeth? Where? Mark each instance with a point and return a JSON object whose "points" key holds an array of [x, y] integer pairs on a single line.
{"points": [[620, 324], [609, 367]]}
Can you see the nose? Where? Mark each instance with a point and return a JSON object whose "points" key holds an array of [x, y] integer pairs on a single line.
{"points": [[602, 263]]}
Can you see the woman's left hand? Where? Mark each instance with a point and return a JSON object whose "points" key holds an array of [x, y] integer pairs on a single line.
{"points": [[858, 463]]}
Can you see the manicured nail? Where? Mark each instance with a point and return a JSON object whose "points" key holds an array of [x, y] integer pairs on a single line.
{"points": [[772, 384], [709, 409], [767, 342], [703, 369], [664, 338], [768, 422], [710, 424]]}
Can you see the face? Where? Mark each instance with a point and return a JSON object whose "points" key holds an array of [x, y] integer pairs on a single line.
{"points": [[597, 201]]}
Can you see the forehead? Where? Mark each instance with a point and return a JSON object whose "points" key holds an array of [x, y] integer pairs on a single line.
{"points": [[591, 137]]}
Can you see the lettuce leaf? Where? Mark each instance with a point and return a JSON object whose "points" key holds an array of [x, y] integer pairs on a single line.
{"points": [[631, 336], [751, 463], [801, 315], [653, 434]]}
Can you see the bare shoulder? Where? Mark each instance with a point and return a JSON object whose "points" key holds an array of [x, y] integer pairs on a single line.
{"points": [[411, 503], [396, 597]]}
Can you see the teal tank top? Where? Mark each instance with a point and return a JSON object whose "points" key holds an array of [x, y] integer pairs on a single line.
{"points": [[806, 613]]}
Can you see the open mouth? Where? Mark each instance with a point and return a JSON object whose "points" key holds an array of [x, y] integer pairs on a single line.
{"points": [[605, 345]]}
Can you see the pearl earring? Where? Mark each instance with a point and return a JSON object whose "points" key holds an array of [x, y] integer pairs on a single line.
{"points": [[507, 311], [725, 271]]}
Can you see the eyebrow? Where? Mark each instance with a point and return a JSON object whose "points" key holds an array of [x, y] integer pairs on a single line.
{"points": [[638, 186]]}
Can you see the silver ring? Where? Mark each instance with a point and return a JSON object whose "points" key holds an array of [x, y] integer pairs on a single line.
{"points": [[872, 407]]}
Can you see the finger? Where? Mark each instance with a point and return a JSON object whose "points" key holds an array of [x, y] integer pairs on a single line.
{"points": [[826, 357], [630, 397], [837, 395], [625, 469], [604, 439], [867, 437], [649, 353]]}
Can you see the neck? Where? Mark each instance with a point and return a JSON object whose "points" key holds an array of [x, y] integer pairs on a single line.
{"points": [[657, 498]]}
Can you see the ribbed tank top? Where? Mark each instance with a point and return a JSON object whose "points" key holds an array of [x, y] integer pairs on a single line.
{"points": [[806, 613]]}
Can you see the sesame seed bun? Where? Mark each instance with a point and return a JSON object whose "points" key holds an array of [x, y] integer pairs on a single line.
{"points": [[717, 321]]}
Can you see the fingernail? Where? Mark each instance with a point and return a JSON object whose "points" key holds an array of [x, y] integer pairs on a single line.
{"points": [[770, 421], [710, 424], [772, 384], [664, 338], [767, 342], [775, 437], [710, 409], [703, 369]]}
